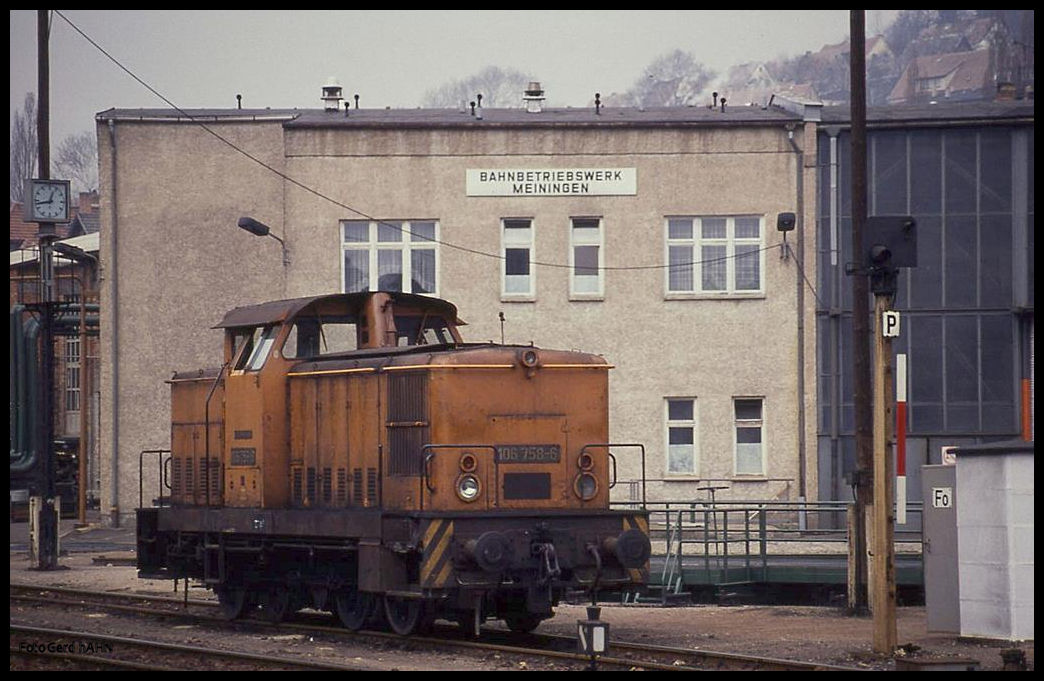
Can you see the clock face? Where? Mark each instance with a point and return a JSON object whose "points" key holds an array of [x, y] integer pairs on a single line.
{"points": [[50, 200]]}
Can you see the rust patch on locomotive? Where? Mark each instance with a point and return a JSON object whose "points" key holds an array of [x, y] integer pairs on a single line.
{"points": [[353, 454]]}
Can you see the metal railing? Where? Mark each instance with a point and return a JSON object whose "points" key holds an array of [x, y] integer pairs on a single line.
{"points": [[742, 535]]}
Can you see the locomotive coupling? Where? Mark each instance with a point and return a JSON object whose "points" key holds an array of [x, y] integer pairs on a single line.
{"points": [[631, 548]]}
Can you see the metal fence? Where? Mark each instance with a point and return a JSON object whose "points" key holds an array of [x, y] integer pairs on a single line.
{"points": [[739, 537]]}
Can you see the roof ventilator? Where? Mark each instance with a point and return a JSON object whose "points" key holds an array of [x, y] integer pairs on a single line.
{"points": [[533, 97], [332, 95]]}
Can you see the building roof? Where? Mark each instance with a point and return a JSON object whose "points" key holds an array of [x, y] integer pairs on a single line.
{"points": [[978, 111], [454, 118], [85, 242], [942, 113]]}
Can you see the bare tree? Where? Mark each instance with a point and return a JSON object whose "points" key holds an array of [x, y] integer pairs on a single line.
{"points": [[498, 87], [76, 159], [24, 147], [674, 79]]}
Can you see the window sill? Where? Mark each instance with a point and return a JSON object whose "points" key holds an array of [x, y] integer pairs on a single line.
{"points": [[517, 298], [586, 297], [715, 296]]}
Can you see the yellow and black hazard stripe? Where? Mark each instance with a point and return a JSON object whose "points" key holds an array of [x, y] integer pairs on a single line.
{"points": [[436, 568], [640, 523]]}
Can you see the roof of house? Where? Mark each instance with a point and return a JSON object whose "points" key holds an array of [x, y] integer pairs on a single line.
{"points": [[969, 73], [86, 242]]}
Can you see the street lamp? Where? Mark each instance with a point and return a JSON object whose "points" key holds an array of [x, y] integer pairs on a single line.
{"points": [[260, 229]]}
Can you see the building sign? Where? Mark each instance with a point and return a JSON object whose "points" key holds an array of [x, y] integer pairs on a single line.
{"points": [[552, 182], [942, 497]]}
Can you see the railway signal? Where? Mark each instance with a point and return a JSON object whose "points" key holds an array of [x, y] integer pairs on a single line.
{"points": [[889, 242]]}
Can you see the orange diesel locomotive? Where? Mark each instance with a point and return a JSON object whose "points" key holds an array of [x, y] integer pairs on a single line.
{"points": [[353, 454]]}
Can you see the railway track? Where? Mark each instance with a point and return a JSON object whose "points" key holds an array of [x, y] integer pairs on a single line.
{"points": [[55, 649], [561, 650]]}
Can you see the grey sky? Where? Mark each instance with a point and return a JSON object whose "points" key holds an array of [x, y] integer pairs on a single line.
{"points": [[281, 59]]}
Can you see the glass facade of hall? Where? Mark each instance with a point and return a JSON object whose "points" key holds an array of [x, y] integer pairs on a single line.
{"points": [[967, 308]]}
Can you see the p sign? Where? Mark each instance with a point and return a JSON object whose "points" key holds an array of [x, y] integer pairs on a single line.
{"points": [[942, 497], [890, 324]]}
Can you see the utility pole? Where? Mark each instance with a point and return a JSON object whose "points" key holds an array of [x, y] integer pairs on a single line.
{"points": [[47, 527], [862, 480]]}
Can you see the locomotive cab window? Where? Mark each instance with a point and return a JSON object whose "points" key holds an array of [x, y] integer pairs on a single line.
{"points": [[251, 347], [318, 337], [422, 330], [262, 346]]}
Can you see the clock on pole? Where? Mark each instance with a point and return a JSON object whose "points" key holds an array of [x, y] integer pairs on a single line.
{"points": [[47, 200]]}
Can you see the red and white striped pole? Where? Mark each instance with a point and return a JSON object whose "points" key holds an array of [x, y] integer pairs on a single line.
{"points": [[900, 439]]}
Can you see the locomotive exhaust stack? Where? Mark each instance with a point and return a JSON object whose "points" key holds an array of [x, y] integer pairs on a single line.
{"points": [[353, 453]]}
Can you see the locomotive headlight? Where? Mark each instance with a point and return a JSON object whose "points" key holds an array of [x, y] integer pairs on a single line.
{"points": [[585, 486], [468, 487]]}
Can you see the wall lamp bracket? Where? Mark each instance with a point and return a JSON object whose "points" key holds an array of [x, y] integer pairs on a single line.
{"points": [[260, 229]]}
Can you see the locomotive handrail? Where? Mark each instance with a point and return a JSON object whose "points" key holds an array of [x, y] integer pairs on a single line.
{"points": [[429, 454], [206, 432], [607, 445], [141, 472]]}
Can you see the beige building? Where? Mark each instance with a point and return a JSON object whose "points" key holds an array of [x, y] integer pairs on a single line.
{"points": [[647, 236]]}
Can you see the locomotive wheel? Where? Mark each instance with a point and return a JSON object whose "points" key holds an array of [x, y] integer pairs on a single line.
{"points": [[275, 604], [407, 616], [231, 601], [522, 622], [353, 608]]}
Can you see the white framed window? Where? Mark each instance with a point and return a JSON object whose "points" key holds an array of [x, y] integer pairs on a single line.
{"points": [[682, 436], [72, 373], [518, 281], [390, 255], [749, 435], [715, 256], [586, 259]]}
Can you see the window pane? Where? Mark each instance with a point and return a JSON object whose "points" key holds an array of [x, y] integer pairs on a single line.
{"points": [[748, 410], [713, 228], [516, 225], [961, 260], [422, 231], [516, 261], [713, 266], [748, 459], [422, 270], [679, 228], [748, 266], [748, 435], [585, 260], [356, 231], [389, 270], [356, 271], [389, 232], [748, 228], [680, 436], [679, 410], [681, 459], [680, 273]]}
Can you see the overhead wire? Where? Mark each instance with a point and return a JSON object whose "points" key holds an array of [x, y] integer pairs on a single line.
{"points": [[321, 195]]}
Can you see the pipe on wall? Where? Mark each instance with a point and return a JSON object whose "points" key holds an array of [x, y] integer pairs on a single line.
{"points": [[114, 341], [799, 258]]}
